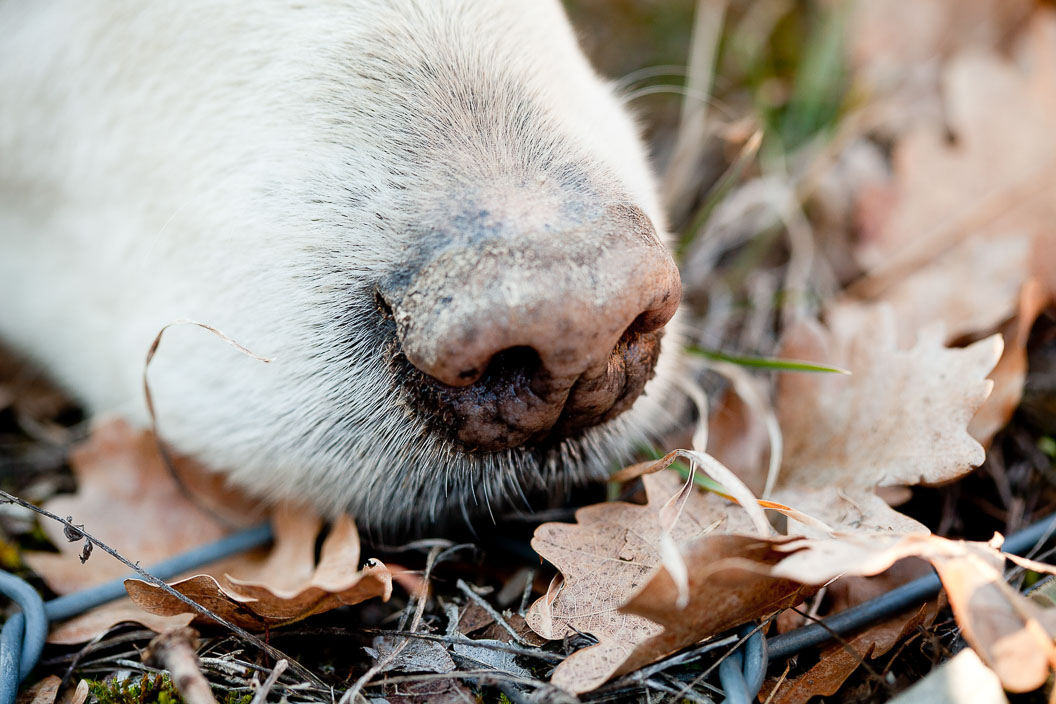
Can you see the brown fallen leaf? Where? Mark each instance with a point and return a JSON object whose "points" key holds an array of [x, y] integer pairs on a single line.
{"points": [[1001, 292], [606, 556], [127, 498], [900, 419], [728, 585], [838, 662], [1009, 632], [43, 692], [1012, 635], [46, 691], [87, 626], [79, 695], [995, 180], [938, 292], [258, 599]]}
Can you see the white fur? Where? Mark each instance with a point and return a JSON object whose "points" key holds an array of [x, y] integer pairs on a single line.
{"points": [[258, 167]]}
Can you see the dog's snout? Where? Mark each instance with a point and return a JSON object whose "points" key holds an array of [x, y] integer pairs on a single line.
{"points": [[522, 332]]}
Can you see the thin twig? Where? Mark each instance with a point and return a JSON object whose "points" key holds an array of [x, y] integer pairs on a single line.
{"points": [[423, 598], [526, 651], [161, 584], [526, 595], [262, 694], [475, 598]]}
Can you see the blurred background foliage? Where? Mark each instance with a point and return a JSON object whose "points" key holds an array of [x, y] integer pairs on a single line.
{"points": [[779, 62]]}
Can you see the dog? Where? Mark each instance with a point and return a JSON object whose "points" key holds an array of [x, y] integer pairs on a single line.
{"points": [[433, 215]]}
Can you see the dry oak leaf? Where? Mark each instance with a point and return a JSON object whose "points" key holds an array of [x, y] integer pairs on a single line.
{"points": [[1011, 634], [606, 556], [288, 587], [997, 270], [127, 498], [899, 419], [996, 179], [1000, 292]]}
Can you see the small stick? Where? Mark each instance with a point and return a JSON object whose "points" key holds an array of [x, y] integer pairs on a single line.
{"points": [[474, 597], [262, 694], [175, 652], [435, 556]]}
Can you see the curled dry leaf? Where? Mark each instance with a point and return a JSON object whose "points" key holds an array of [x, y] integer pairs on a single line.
{"points": [[127, 498], [837, 661], [605, 557], [261, 597], [1011, 634]]}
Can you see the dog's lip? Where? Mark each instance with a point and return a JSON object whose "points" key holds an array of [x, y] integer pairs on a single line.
{"points": [[517, 405]]}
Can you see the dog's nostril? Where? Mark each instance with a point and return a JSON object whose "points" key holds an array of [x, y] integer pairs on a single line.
{"points": [[513, 362], [647, 321]]}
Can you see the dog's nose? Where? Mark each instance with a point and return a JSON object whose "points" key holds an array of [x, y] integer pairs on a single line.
{"points": [[549, 328], [569, 300]]}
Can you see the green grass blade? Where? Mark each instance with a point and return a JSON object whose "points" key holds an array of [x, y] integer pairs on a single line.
{"points": [[783, 365]]}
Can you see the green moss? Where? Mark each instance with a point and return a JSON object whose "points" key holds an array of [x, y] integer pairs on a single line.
{"points": [[148, 689], [236, 698]]}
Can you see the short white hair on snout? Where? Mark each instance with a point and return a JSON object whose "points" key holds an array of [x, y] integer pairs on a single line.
{"points": [[433, 215]]}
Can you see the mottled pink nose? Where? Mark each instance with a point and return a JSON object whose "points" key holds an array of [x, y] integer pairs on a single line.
{"points": [[587, 303]]}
